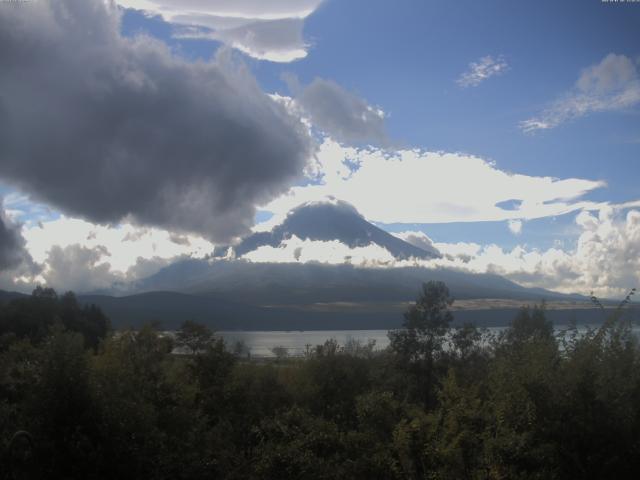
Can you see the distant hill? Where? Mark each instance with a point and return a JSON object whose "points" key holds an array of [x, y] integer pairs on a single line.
{"points": [[170, 309], [295, 283], [8, 296], [238, 294], [299, 283], [264, 284]]}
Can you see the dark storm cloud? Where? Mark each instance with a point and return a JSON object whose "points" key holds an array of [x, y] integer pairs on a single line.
{"points": [[106, 127], [343, 115], [12, 251]]}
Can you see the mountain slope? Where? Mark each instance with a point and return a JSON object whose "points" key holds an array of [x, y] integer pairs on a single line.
{"points": [[170, 309], [262, 283], [296, 283], [326, 221], [6, 296], [296, 295]]}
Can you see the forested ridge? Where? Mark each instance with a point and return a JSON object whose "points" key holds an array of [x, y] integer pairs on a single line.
{"points": [[80, 401]]}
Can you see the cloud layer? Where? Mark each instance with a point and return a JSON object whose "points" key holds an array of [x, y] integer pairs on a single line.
{"points": [[483, 69], [420, 240], [413, 186], [12, 245], [75, 254], [78, 255], [606, 258], [613, 84], [338, 113], [122, 128], [332, 252], [263, 30]]}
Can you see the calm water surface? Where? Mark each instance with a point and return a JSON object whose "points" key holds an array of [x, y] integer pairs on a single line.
{"points": [[260, 344], [296, 343]]}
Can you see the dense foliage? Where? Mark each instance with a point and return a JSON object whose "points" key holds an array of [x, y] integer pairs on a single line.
{"points": [[77, 401]]}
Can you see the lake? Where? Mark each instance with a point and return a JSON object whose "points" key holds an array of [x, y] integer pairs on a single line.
{"points": [[260, 344], [296, 343]]}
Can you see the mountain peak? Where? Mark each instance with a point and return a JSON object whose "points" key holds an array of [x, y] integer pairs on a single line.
{"points": [[327, 204], [331, 220]]}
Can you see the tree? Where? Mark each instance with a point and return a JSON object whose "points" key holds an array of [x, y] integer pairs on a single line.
{"points": [[62, 406], [333, 381], [32, 317], [194, 337], [419, 344], [87, 320], [530, 324], [280, 352]]}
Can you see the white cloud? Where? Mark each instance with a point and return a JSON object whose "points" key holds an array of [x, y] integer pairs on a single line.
{"points": [[78, 255], [613, 84], [295, 250], [606, 258], [483, 69], [78, 268], [515, 226], [418, 239], [264, 30], [413, 186]]}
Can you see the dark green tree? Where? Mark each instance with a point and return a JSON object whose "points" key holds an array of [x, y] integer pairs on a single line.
{"points": [[32, 317], [194, 337], [419, 346]]}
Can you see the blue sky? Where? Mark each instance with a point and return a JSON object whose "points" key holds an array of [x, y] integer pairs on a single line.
{"points": [[506, 133], [406, 60]]}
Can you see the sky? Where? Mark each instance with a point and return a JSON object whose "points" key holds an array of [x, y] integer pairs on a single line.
{"points": [[506, 133]]}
